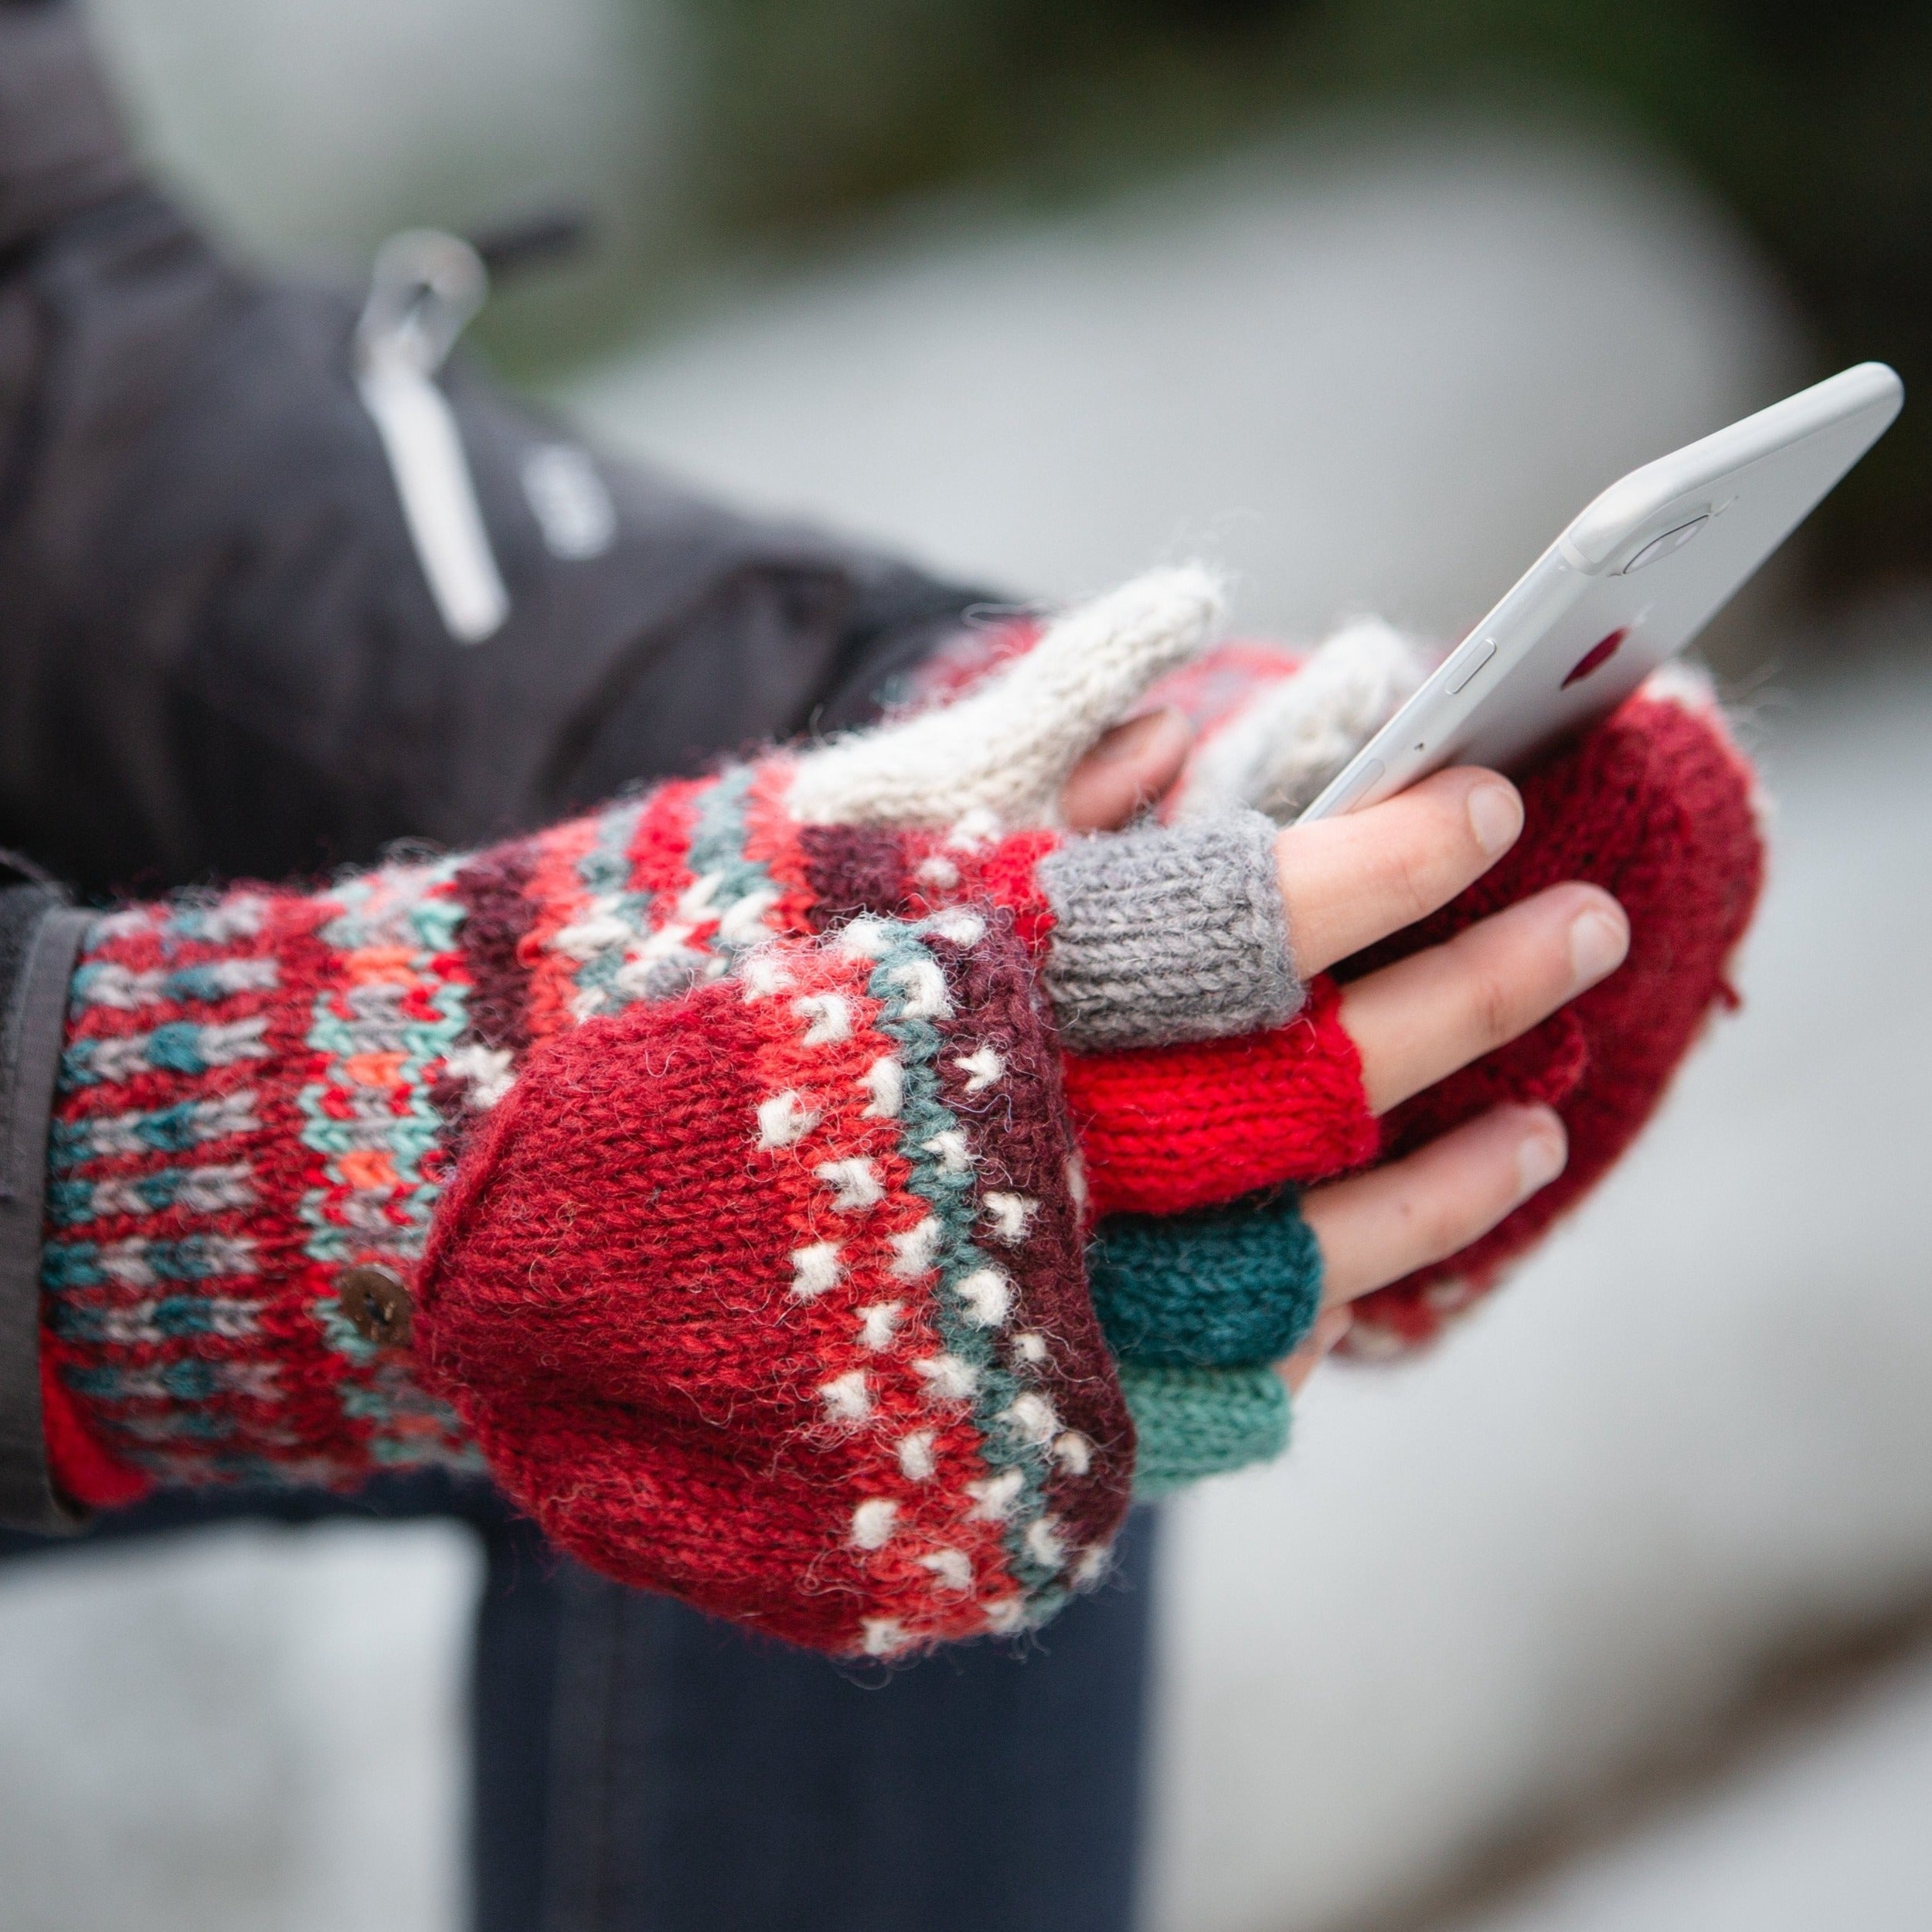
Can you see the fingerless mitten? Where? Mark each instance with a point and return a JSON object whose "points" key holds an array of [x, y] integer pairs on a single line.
{"points": [[748, 1256]]}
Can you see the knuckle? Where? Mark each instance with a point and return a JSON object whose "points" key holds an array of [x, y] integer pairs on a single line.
{"points": [[1401, 878], [1413, 882], [1453, 1222], [1494, 1008]]}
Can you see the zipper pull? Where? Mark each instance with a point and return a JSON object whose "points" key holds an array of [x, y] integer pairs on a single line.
{"points": [[423, 291]]}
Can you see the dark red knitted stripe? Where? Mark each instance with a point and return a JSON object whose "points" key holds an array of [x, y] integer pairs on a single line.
{"points": [[1655, 807], [494, 892], [861, 869], [1020, 1131], [1001, 871], [850, 869]]}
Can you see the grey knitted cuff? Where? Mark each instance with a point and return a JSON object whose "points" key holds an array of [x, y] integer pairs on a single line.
{"points": [[1169, 933]]}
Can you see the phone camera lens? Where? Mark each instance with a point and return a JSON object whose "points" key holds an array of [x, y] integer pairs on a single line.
{"points": [[1660, 546]]}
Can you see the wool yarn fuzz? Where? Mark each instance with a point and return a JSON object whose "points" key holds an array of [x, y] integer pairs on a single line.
{"points": [[771, 1294], [1246, 1114], [1005, 748], [807, 1368], [1274, 728], [1657, 805]]}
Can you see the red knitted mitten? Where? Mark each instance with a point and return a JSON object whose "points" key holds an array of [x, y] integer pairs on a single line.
{"points": [[265, 1097], [1658, 805], [1659, 808], [772, 1294]]}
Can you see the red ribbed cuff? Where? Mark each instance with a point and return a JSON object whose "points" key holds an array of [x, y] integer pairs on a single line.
{"points": [[1169, 1128]]}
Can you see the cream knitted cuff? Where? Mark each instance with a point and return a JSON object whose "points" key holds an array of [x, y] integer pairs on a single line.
{"points": [[1166, 934]]}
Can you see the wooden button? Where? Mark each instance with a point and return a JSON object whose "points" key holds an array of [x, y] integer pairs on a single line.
{"points": [[376, 1304]]}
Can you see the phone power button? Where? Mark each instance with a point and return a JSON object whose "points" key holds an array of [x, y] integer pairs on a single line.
{"points": [[1479, 655]]}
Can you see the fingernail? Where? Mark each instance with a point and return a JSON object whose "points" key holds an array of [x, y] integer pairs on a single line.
{"points": [[1496, 814], [1128, 740], [1598, 941], [1540, 1157]]}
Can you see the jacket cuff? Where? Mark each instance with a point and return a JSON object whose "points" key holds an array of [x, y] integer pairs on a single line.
{"points": [[1168, 934], [40, 938]]}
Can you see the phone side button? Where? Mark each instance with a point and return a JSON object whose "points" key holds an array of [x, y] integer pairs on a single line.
{"points": [[1466, 675]]}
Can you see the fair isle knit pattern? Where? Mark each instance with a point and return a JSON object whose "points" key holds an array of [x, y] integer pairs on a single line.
{"points": [[272, 1087], [849, 1389], [384, 1033], [237, 1130], [245, 1110]]}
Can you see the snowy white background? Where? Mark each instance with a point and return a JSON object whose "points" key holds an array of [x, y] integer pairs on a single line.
{"points": [[1378, 367]]}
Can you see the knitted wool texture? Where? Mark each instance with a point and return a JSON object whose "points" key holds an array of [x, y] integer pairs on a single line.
{"points": [[1139, 955], [1273, 727], [1659, 806], [1284, 1105], [1232, 1289], [1203, 1421], [1006, 747], [261, 1091], [826, 1364]]}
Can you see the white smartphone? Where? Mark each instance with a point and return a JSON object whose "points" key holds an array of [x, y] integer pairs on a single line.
{"points": [[1625, 587]]}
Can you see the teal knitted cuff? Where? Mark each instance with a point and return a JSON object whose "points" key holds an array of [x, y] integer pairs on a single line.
{"points": [[1193, 1422], [1237, 1286]]}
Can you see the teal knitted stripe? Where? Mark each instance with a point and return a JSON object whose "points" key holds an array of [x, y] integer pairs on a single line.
{"points": [[1194, 1423], [925, 1122], [718, 853], [1239, 1285], [605, 872]]}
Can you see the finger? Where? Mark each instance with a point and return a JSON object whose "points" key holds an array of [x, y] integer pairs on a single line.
{"points": [[1347, 882], [1417, 1020], [1323, 1339], [1377, 1227], [1132, 768]]}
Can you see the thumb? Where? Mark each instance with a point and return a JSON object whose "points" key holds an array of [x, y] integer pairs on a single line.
{"points": [[1279, 750]]}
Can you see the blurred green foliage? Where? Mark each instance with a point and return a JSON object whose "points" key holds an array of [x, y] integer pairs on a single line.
{"points": [[1813, 124]]}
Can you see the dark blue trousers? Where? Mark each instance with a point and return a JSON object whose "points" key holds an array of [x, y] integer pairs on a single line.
{"points": [[639, 1768]]}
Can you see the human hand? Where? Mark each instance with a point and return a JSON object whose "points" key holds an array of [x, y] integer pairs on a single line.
{"points": [[1346, 883], [1352, 881]]}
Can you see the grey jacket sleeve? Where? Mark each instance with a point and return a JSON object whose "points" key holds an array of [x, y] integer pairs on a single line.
{"points": [[221, 654], [39, 937], [60, 141]]}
